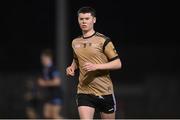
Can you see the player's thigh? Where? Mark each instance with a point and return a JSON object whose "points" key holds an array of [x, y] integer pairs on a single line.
{"points": [[55, 109], [107, 106], [108, 115], [47, 110], [86, 112]]}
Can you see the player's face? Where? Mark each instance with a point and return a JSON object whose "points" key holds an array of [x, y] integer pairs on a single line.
{"points": [[45, 60], [86, 21]]}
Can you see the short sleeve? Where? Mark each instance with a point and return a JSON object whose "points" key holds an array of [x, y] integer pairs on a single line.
{"points": [[110, 50], [56, 73]]}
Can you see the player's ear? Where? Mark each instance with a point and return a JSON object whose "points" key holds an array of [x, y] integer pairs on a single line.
{"points": [[94, 20]]}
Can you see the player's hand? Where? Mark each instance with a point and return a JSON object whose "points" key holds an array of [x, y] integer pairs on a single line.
{"points": [[70, 71], [41, 83], [90, 67]]}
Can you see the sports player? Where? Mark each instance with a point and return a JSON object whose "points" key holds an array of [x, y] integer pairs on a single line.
{"points": [[33, 99], [94, 56], [50, 82]]}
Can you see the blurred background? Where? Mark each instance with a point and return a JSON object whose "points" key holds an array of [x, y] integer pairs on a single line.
{"points": [[142, 31]]}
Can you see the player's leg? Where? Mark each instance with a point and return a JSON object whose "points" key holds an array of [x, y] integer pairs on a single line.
{"points": [[31, 113], [86, 107], [32, 108], [107, 106], [56, 112], [86, 112], [54, 107], [108, 115], [47, 110]]}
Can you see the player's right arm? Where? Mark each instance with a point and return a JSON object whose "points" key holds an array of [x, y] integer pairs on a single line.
{"points": [[70, 71]]}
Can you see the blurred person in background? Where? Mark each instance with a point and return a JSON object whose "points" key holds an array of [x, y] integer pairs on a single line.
{"points": [[94, 56], [33, 99], [50, 83]]}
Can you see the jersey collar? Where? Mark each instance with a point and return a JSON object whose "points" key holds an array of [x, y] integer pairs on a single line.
{"points": [[89, 36]]}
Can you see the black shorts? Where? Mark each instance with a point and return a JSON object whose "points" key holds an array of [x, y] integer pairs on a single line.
{"points": [[104, 103]]}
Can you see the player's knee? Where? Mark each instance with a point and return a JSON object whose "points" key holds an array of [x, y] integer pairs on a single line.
{"points": [[55, 115], [47, 116]]}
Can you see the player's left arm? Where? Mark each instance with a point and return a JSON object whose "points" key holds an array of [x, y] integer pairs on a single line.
{"points": [[114, 60], [112, 55], [113, 65]]}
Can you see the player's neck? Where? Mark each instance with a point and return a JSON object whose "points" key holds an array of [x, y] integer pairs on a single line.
{"points": [[87, 34]]}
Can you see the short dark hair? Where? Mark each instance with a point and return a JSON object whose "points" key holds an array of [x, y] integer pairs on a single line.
{"points": [[47, 52], [87, 9]]}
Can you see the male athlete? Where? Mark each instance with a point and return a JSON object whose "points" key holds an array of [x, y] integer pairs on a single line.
{"points": [[50, 82], [94, 56]]}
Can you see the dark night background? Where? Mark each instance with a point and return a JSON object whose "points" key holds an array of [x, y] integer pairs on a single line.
{"points": [[142, 31]]}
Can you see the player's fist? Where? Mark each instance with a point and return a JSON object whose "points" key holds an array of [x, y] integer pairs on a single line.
{"points": [[41, 83], [70, 71], [90, 67]]}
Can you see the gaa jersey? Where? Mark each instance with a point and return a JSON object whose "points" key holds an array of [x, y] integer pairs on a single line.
{"points": [[96, 49], [49, 73]]}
